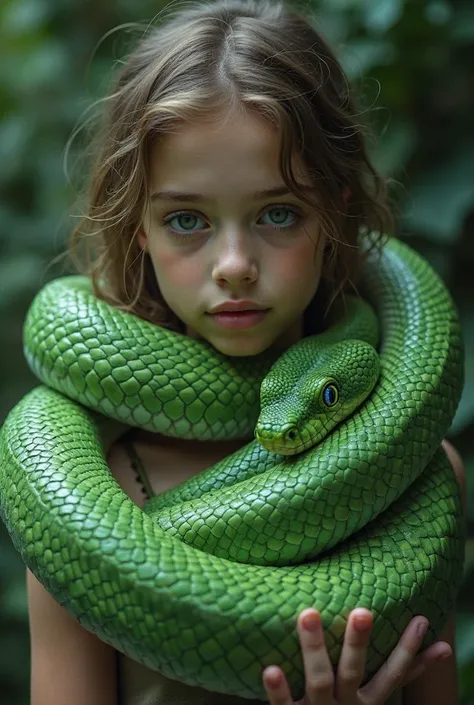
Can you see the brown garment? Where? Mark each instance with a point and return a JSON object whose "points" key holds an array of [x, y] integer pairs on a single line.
{"points": [[138, 685]]}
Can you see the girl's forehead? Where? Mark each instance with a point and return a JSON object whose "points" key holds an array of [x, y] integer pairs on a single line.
{"points": [[230, 132], [235, 148]]}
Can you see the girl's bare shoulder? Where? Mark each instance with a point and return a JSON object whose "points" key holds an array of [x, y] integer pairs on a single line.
{"points": [[68, 663]]}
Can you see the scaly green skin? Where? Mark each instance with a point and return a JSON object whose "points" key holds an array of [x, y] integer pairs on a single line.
{"points": [[168, 585]]}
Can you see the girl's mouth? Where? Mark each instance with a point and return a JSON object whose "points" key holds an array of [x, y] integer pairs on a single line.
{"points": [[238, 320]]}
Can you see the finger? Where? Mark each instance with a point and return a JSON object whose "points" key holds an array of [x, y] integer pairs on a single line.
{"points": [[319, 674], [393, 672], [437, 652], [275, 684], [351, 666]]}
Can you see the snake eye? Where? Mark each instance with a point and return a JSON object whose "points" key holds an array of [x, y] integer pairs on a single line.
{"points": [[330, 394]]}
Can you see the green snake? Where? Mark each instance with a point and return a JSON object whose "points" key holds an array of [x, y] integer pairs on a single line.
{"points": [[345, 498]]}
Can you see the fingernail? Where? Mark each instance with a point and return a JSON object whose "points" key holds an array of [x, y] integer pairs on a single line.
{"points": [[443, 656], [273, 677], [421, 627], [360, 623], [311, 622]]}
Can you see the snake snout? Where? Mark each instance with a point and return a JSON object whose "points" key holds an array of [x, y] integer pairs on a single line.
{"points": [[287, 440]]}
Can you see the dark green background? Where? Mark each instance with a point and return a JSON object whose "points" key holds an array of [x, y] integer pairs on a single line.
{"points": [[412, 63]]}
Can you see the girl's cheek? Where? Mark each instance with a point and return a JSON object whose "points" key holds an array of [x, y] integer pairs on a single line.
{"points": [[300, 269], [174, 268]]}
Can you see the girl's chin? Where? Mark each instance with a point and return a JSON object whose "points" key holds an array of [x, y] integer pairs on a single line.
{"points": [[235, 344], [239, 348], [250, 342]]}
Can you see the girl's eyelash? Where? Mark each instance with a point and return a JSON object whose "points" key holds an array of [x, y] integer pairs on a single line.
{"points": [[291, 209]]}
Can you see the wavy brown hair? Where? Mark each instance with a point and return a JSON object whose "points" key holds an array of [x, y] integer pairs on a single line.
{"points": [[259, 55]]}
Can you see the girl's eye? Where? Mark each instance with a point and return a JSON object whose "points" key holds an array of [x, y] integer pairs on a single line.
{"points": [[279, 217], [186, 221]]}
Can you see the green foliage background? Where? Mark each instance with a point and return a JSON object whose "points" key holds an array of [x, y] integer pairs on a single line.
{"points": [[411, 60]]}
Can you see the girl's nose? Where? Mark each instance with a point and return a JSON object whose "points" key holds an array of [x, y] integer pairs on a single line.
{"points": [[235, 259]]}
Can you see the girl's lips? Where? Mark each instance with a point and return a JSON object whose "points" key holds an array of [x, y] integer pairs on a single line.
{"points": [[238, 320]]}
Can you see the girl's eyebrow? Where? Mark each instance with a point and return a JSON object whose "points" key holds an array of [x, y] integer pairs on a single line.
{"points": [[178, 196]]}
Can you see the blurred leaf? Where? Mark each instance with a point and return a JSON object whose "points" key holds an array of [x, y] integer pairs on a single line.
{"points": [[463, 24], [382, 15], [469, 557], [469, 470], [395, 147], [44, 65], [361, 55], [14, 137], [334, 26], [438, 12], [465, 412], [12, 648], [442, 197], [11, 566], [25, 16], [341, 5], [17, 275], [465, 637], [15, 600]]}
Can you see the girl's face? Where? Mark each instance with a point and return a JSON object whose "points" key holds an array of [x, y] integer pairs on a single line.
{"points": [[216, 238]]}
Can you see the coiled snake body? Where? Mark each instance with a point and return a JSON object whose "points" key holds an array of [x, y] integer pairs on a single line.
{"points": [[205, 584]]}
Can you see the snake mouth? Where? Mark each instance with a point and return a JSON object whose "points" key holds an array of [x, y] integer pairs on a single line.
{"points": [[276, 446], [292, 439]]}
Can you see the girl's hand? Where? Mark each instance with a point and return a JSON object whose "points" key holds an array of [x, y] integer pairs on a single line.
{"points": [[323, 689]]}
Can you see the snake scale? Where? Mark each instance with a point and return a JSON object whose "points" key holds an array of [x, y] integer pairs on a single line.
{"points": [[206, 582]]}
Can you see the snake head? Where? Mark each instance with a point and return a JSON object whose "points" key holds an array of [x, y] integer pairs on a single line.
{"points": [[297, 413]]}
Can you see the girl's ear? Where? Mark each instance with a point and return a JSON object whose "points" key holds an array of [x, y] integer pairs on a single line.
{"points": [[142, 239]]}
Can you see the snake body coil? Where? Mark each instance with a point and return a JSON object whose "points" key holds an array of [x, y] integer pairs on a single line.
{"points": [[205, 584]]}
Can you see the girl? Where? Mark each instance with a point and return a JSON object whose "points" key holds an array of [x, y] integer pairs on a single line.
{"points": [[230, 182]]}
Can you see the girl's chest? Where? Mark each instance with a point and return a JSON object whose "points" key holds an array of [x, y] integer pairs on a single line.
{"points": [[166, 464]]}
